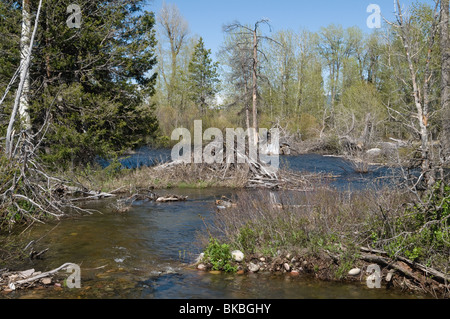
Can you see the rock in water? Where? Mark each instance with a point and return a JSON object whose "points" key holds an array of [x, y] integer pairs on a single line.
{"points": [[354, 272], [201, 267], [237, 255]]}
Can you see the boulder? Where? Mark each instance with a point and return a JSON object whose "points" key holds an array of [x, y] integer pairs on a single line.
{"points": [[237, 255]]}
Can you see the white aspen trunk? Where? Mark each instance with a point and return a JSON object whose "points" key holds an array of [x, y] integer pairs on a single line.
{"points": [[24, 53], [24, 75], [422, 108]]}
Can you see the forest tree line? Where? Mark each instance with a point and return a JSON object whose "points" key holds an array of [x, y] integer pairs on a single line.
{"points": [[334, 82], [128, 77]]}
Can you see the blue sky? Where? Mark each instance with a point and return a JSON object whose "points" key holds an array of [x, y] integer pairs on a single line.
{"points": [[206, 17]]}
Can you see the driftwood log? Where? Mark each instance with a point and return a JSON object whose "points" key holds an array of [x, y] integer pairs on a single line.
{"points": [[31, 276], [409, 268]]}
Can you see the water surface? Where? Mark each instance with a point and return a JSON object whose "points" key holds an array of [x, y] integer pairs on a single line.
{"points": [[146, 252]]}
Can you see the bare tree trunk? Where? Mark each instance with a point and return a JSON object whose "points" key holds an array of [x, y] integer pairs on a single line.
{"points": [[255, 85], [256, 40], [25, 52], [23, 78], [422, 108], [445, 81], [247, 108]]}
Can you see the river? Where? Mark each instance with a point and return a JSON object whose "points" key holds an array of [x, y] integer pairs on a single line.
{"points": [[145, 253]]}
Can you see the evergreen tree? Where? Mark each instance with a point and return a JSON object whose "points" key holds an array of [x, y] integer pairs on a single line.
{"points": [[203, 76], [92, 82]]}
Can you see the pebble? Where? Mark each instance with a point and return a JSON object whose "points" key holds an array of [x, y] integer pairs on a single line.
{"points": [[287, 267], [354, 272], [46, 281]]}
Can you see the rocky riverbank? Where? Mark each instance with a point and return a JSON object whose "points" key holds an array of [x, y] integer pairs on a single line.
{"points": [[324, 267]]}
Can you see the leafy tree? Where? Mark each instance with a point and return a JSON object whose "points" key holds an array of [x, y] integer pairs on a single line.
{"points": [[174, 30], [203, 76]]}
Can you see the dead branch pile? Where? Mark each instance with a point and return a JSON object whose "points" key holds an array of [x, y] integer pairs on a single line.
{"points": [[27, 192], [252, 173], [12, 280], [420, 277]]}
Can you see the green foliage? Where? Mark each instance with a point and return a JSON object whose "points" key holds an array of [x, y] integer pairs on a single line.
{"points": [[421, 233], [203, 76], [309, 126], [219, 256], [359, 100], [10, 17], [248, 238], [86, 126], [91, 83], [267, 236]]}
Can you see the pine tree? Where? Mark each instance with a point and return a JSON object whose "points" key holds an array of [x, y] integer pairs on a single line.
{"points": [[92, 82], [203, 77]]}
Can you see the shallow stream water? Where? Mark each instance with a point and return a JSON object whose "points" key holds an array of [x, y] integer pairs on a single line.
{"points": [[145, 253]]}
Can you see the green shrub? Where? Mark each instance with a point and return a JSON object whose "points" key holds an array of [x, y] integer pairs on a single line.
{"points": [[219, 256], [419, 233]]}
